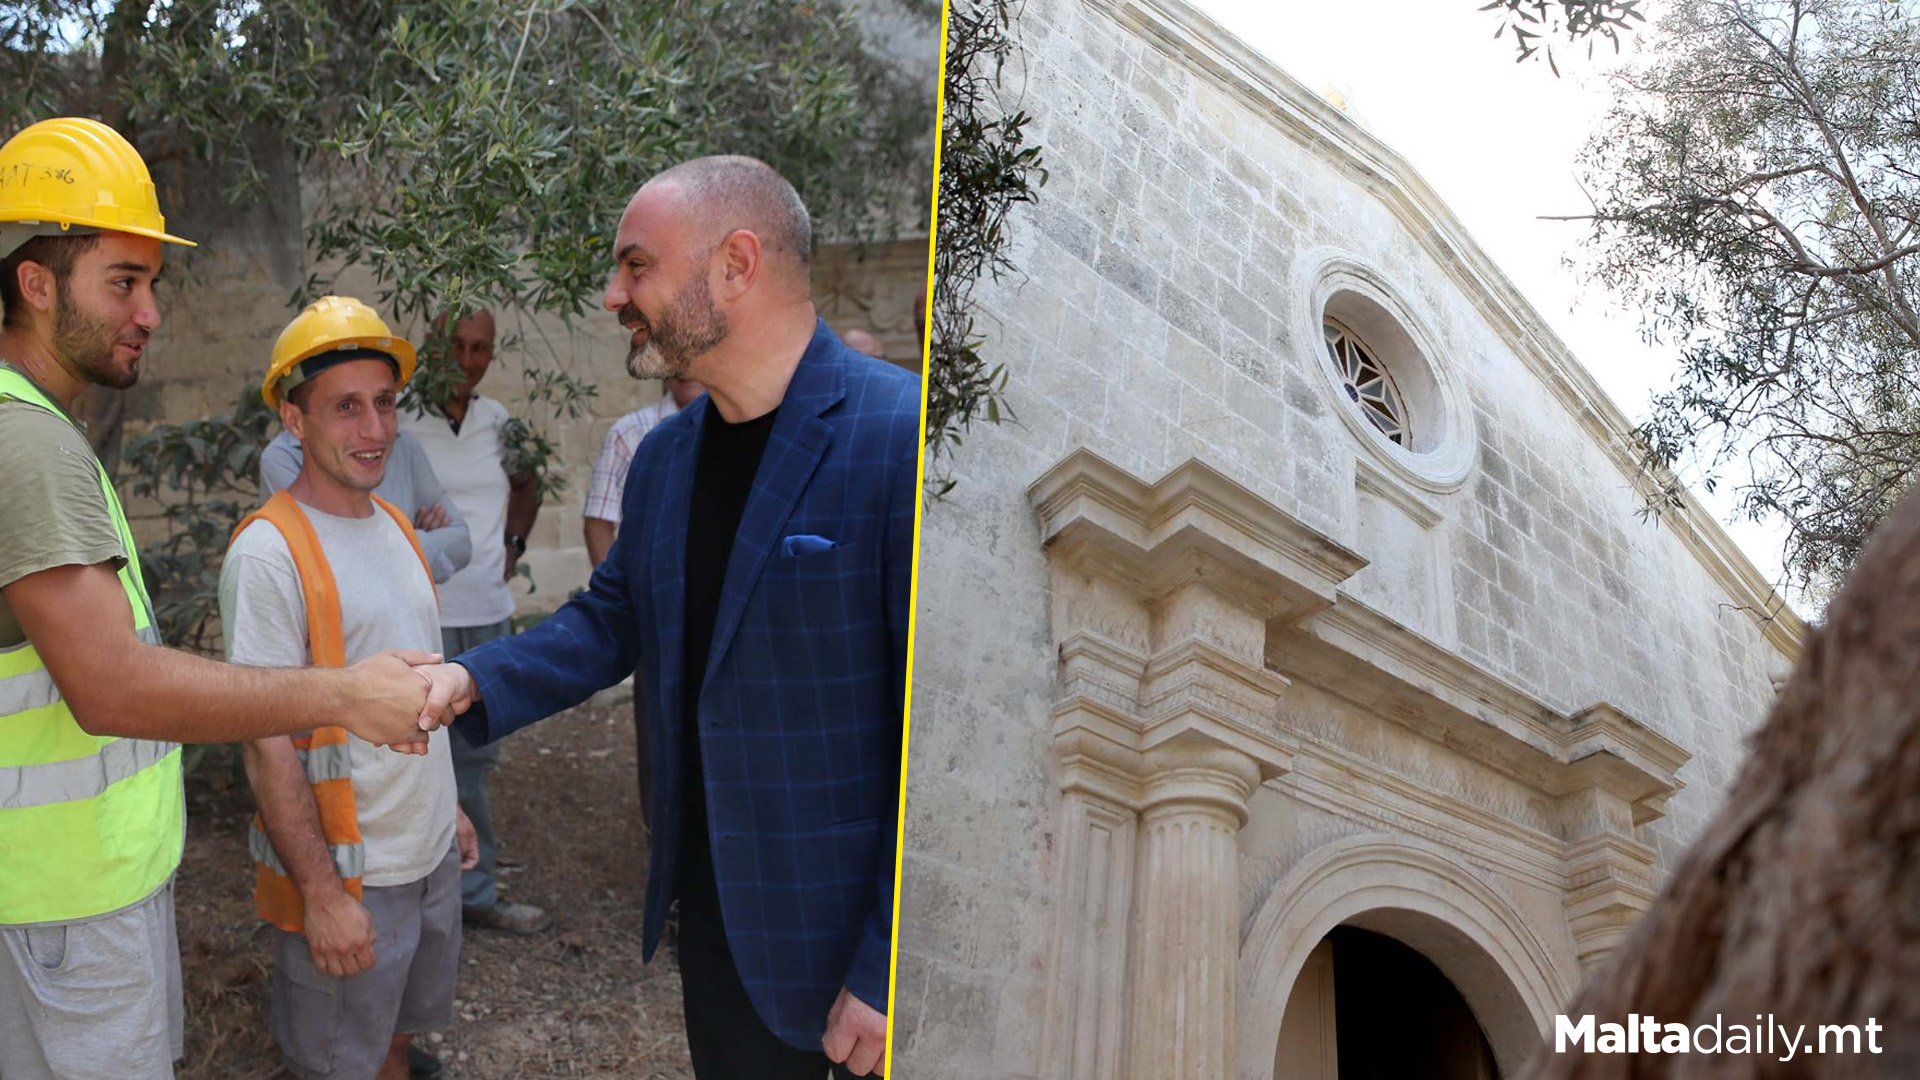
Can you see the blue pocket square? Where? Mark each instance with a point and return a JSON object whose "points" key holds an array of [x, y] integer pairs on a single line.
{"points": [[805, 544]]}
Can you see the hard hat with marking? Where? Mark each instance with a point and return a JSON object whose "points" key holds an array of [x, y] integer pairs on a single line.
{"points": [[71, 176]]}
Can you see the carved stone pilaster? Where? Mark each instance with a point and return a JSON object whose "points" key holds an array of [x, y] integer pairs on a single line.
{"points": [[1164, 725], [1154, 794], [1086, 1023]]}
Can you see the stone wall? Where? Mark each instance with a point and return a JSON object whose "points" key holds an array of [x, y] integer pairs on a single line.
{"points": [[1202, 211]]}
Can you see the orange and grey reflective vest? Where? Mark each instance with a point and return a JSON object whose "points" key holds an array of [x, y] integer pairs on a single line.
{"points": [[323, 751], [89, 824]]}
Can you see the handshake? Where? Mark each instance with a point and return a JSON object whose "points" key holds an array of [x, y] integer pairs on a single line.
{"points": [[398, 697]]}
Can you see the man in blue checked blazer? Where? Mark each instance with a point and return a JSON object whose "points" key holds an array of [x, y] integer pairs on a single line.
{"points": [[761, 578]]}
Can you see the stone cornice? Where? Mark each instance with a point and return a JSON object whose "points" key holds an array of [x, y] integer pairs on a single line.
{"points": [[1614, 752], [1197, 43], [1404, 677], [1192, 524]]}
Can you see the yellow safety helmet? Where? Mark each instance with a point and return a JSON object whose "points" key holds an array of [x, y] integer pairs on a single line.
{"points": [[71, 172], [332, 330]]}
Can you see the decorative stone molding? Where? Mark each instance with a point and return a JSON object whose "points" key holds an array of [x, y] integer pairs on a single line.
{"points": [[1374, 662], [1609, 884], [1193, 525], [1182, 609], [1607, 772], [1412, 559]]}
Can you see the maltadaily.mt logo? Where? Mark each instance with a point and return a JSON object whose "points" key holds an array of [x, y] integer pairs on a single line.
{"points": [[1647, 1035]]}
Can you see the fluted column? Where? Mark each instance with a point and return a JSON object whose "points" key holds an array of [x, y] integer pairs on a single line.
{"points": [[1186, 927]]}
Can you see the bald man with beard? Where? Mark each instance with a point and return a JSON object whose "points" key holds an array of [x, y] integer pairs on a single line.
{"points": [[761, 580]]}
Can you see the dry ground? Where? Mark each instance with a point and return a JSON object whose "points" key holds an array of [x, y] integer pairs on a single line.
{"points": [[573, 1002]]}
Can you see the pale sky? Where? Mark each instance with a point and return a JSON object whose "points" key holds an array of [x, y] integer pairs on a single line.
{"points": [[1497, 140]]}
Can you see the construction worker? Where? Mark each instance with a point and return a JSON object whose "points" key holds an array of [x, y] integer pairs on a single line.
{"points": [[92, 708], [410, 485], [352, 843]]}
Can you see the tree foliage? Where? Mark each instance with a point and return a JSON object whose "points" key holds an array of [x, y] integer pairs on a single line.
{"points": [[987, 168], [1757, 195], [474, 153], [477, 150], [1536, 24]]}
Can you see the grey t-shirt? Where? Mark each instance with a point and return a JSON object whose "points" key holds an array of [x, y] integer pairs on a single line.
{"points": [[52, 511], [409, 485], [405, 802]]}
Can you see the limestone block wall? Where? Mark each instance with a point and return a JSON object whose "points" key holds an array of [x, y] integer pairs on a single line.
{"points": [[1199, 203]]}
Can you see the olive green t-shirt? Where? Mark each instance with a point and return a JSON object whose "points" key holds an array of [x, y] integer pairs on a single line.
{"points": [[52, 511]]}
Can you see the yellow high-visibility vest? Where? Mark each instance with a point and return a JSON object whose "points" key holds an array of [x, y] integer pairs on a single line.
{"points": [[88, 823]]}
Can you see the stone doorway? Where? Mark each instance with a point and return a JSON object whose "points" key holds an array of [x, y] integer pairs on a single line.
{"points": [[1423, 898], [1369, 1007]]}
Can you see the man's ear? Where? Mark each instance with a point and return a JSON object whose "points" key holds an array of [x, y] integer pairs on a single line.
{"points": [[294, 419], [38, 289], [739, 266]]}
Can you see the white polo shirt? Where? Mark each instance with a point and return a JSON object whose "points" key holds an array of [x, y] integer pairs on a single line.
{"points": [[470, 466]]}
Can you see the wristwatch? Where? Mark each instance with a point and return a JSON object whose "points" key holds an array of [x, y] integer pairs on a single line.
{"points": [[518, 544]]}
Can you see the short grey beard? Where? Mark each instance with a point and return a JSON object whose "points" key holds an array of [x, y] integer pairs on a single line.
{"points": [[692, 328], [649, 361]]}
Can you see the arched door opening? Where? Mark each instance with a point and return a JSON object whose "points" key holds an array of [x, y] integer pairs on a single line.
{"points": [[1367, 1007]]}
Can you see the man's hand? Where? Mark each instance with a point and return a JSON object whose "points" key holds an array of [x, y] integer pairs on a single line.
{"points": [[339, 934], [467, 839], [386, 700], [431, 517], [856, 1035], [450, 692], [513, 563]]}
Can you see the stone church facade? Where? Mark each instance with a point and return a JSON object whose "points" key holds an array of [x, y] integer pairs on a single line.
{"points": [[1298, 681]]}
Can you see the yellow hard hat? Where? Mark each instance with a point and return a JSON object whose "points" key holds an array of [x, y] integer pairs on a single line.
{"points": [[332, 330], [73, 172]]}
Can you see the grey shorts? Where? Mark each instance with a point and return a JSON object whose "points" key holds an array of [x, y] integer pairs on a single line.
{"points": [[335, 1027], [93, 1000]]}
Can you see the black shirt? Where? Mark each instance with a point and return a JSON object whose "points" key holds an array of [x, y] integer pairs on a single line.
{"points": [[722, 479]]}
